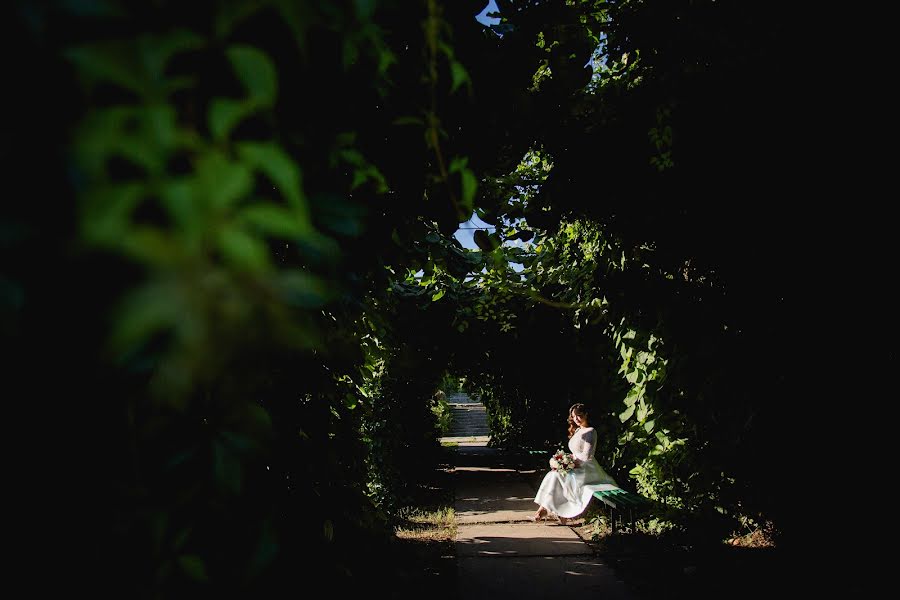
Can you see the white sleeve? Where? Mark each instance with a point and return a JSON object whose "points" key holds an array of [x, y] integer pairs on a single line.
{"points": [[586, 447]]}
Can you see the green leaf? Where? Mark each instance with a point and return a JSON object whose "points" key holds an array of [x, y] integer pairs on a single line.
{"points": [[243, 250], [475, 258], [156, 51], [106, 212], [126, 132], [368, 172], [300, 17], [113, 62], [632, 376], [151, 246], [438, 295], [385, 59], [225, 114], [160, 122], [136, 65], [522, 234], [469, 186], [642, 410], [193, 566], [328, 530], [459, 75], [458, 164], [222, 181], [273, 220], [257, 72], [627, 414], [487, 216], [183, 203], [271, 160], [146, 311], [648, 426], [633, 395], [483, 241]]}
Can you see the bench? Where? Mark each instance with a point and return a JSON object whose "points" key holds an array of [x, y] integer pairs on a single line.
{"points": [[614, 498], [617, 499]]}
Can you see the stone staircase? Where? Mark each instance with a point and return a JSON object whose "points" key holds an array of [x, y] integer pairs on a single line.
{"points": [[469, 419]]}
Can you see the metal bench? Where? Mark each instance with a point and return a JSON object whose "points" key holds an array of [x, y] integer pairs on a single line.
{"points": [[617, 499]]}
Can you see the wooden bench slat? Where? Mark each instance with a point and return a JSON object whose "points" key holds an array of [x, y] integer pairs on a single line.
{"points": [[626, 498], [618, 498], [633, 498]]}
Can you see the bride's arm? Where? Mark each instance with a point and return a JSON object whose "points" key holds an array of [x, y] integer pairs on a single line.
{"points": [[586, 448]]}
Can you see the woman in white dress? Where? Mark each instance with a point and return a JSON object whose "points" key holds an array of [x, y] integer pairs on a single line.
{"points": [[567, 496]]}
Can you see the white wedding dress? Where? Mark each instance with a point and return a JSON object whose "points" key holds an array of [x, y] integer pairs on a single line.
{"points": [[569, 495]]}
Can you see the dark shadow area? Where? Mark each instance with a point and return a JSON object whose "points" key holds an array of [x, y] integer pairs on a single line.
{"points": [[654, 568], [689, 564], [424, 558], [526, 577], [554, 544], [498, 458], [423, 565]]}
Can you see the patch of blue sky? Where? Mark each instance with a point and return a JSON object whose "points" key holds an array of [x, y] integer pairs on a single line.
{"points": [[466, 234], [483, 17]]}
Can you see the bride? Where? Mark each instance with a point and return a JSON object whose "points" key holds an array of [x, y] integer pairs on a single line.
{"points": [[567, 496]]}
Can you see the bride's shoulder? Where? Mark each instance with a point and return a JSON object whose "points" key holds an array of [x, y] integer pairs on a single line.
{"points": [[587, 430]]}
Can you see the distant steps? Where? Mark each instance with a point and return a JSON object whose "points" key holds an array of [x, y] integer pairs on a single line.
{"points": [[468, 417]]}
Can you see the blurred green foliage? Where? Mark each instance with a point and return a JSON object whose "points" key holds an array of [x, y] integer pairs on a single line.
{"points": [[251, 272]]}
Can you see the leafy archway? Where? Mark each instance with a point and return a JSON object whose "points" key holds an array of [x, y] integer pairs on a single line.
{"points": [[262, 290]]}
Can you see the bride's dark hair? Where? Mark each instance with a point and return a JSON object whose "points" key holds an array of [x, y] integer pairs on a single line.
{"points": [[580, 410]]}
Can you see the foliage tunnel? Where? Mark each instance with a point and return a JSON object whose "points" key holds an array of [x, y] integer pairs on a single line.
{"points": [[252, 279]]}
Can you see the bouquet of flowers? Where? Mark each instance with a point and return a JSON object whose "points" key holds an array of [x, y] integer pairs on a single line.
{"points": [[562, 462]]}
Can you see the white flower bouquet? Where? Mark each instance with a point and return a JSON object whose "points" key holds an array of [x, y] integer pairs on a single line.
{"points": [[562, 462]]}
